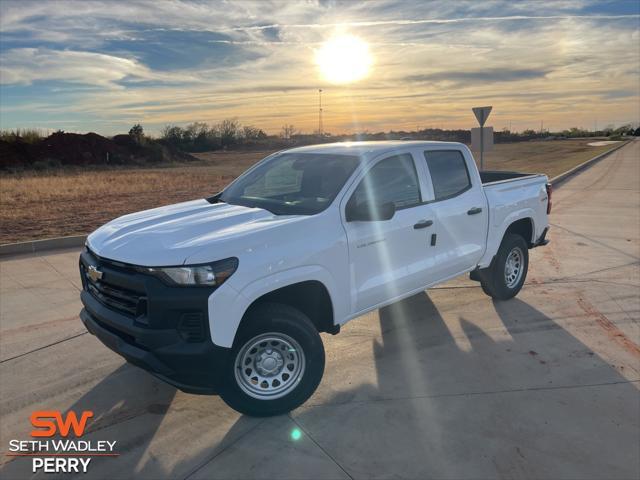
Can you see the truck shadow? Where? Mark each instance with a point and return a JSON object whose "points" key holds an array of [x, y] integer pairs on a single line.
{"points": [[479, 403], [470, 406], [476, 403], [128, 407]]}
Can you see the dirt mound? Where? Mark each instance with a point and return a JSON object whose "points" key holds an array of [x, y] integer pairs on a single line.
{"points": [[15, 153], [88, 149], [76, 149]]}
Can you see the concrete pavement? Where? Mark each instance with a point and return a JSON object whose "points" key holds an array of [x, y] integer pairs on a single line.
{"points": [[445, 384]]}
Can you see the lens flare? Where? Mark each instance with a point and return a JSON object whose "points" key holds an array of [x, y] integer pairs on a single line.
{"points": [[296, 434], [344, 59]]}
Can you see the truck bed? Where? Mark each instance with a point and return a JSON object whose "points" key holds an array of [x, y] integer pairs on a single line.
{"points": [[512, 192], [493, 176]]}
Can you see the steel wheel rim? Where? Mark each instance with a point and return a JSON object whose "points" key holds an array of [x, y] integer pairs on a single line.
{"points": [[269, 366], [513, 267]]}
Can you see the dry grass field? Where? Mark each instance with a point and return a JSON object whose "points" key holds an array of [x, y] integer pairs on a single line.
{"points": [[550, 157], [37, 205]]}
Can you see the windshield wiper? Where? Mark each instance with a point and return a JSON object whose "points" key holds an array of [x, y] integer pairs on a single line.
{"points": [[215, 198], [254, 204]]}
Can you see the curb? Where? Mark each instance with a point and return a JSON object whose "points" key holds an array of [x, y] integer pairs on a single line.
{"points": [[37, 246], [555, 181]]}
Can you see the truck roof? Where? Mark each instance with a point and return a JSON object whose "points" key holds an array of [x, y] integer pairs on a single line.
{"points": [[370, 147]]}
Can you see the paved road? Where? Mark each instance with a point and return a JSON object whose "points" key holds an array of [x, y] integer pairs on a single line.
{"points": [[446, 384]]}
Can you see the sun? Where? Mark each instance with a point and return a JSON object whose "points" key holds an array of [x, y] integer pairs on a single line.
{"points": [[344, 59]]}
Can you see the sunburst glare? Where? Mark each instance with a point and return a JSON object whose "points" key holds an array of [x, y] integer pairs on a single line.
{"points": [[344, 59]]}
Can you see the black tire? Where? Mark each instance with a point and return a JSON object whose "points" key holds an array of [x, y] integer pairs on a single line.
{"points": [[494, 279], [291, 325]]}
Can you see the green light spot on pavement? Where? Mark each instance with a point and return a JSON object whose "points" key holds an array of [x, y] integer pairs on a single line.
{"points": [[296, 434]]}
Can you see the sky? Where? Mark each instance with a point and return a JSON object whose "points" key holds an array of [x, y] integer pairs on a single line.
{"points": [[103, 66]]}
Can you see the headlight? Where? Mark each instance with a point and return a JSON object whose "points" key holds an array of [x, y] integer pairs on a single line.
{"points": [[210, 275]]}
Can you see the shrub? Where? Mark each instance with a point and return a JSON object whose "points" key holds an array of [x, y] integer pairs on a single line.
{"points": [[26, 135], [137, 133], [46, 164]]}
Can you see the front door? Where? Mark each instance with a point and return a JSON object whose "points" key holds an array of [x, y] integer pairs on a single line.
{"points": [[389, 258]]}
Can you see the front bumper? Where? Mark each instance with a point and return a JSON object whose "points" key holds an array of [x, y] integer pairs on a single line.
{"points": [[143, 320]]}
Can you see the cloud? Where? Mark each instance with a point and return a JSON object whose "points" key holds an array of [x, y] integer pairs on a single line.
{"points": [[176, 62], [492, 75], [26, 65], [433, 21]]}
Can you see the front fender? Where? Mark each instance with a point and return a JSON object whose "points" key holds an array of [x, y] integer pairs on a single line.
{"points": [[227, 305]]}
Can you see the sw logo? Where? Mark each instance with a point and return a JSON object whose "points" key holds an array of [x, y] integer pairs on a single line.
{"points": [[62, 454], [51, 422]]}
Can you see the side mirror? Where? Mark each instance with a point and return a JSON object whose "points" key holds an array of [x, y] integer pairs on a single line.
{"points": [[367, 212]]}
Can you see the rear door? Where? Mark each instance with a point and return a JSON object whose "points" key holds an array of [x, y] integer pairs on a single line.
{"points": [[389, 258], [461, 210]]}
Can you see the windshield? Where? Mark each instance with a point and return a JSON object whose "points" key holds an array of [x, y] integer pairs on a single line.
{"points": [[292, 183]]}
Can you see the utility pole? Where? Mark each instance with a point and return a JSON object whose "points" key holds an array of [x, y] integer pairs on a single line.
{"points": [[320, 112]]}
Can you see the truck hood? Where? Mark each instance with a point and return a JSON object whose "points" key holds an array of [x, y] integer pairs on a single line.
{"points": [[170, 235]]}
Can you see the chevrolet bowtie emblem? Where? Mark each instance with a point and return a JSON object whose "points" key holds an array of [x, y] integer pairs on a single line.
{"points": [[93, 273]]}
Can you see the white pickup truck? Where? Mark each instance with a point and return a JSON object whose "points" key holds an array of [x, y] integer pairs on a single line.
{"points": [[228, 294]]}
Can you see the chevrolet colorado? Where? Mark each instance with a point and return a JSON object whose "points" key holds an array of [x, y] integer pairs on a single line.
{"points": [[228, 294]]}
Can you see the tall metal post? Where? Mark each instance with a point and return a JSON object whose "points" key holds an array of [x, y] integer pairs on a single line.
{"points": [[482, 113], [481, 148], [320, 112]]}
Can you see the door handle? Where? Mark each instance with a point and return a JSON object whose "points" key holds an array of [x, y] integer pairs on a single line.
{"points": [[423, 224], [474, 211]]}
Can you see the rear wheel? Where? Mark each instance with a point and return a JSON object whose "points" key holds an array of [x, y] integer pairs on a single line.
{"points": [[276, 362], [508, 271]]}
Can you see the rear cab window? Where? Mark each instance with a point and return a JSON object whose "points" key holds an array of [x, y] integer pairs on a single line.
{"points": [[393, 179], [449, 173]]}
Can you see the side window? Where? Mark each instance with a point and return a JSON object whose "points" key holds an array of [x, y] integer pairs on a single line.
{"points": [[393, 179], [449, 173]]}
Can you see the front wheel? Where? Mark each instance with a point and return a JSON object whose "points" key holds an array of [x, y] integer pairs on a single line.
{"points": [[508, 271], [276, 362]]}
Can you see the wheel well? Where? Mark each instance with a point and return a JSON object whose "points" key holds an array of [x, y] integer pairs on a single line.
{"points": [[310, 297], [524, 228]]}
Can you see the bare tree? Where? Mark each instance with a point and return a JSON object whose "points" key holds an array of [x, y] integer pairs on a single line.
{"points": [[229, 131], [287, 131], [250, 132], [197, 132], [172, 134]]}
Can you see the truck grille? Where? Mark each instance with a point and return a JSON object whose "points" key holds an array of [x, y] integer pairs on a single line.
{"points": [[116, 297]]}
